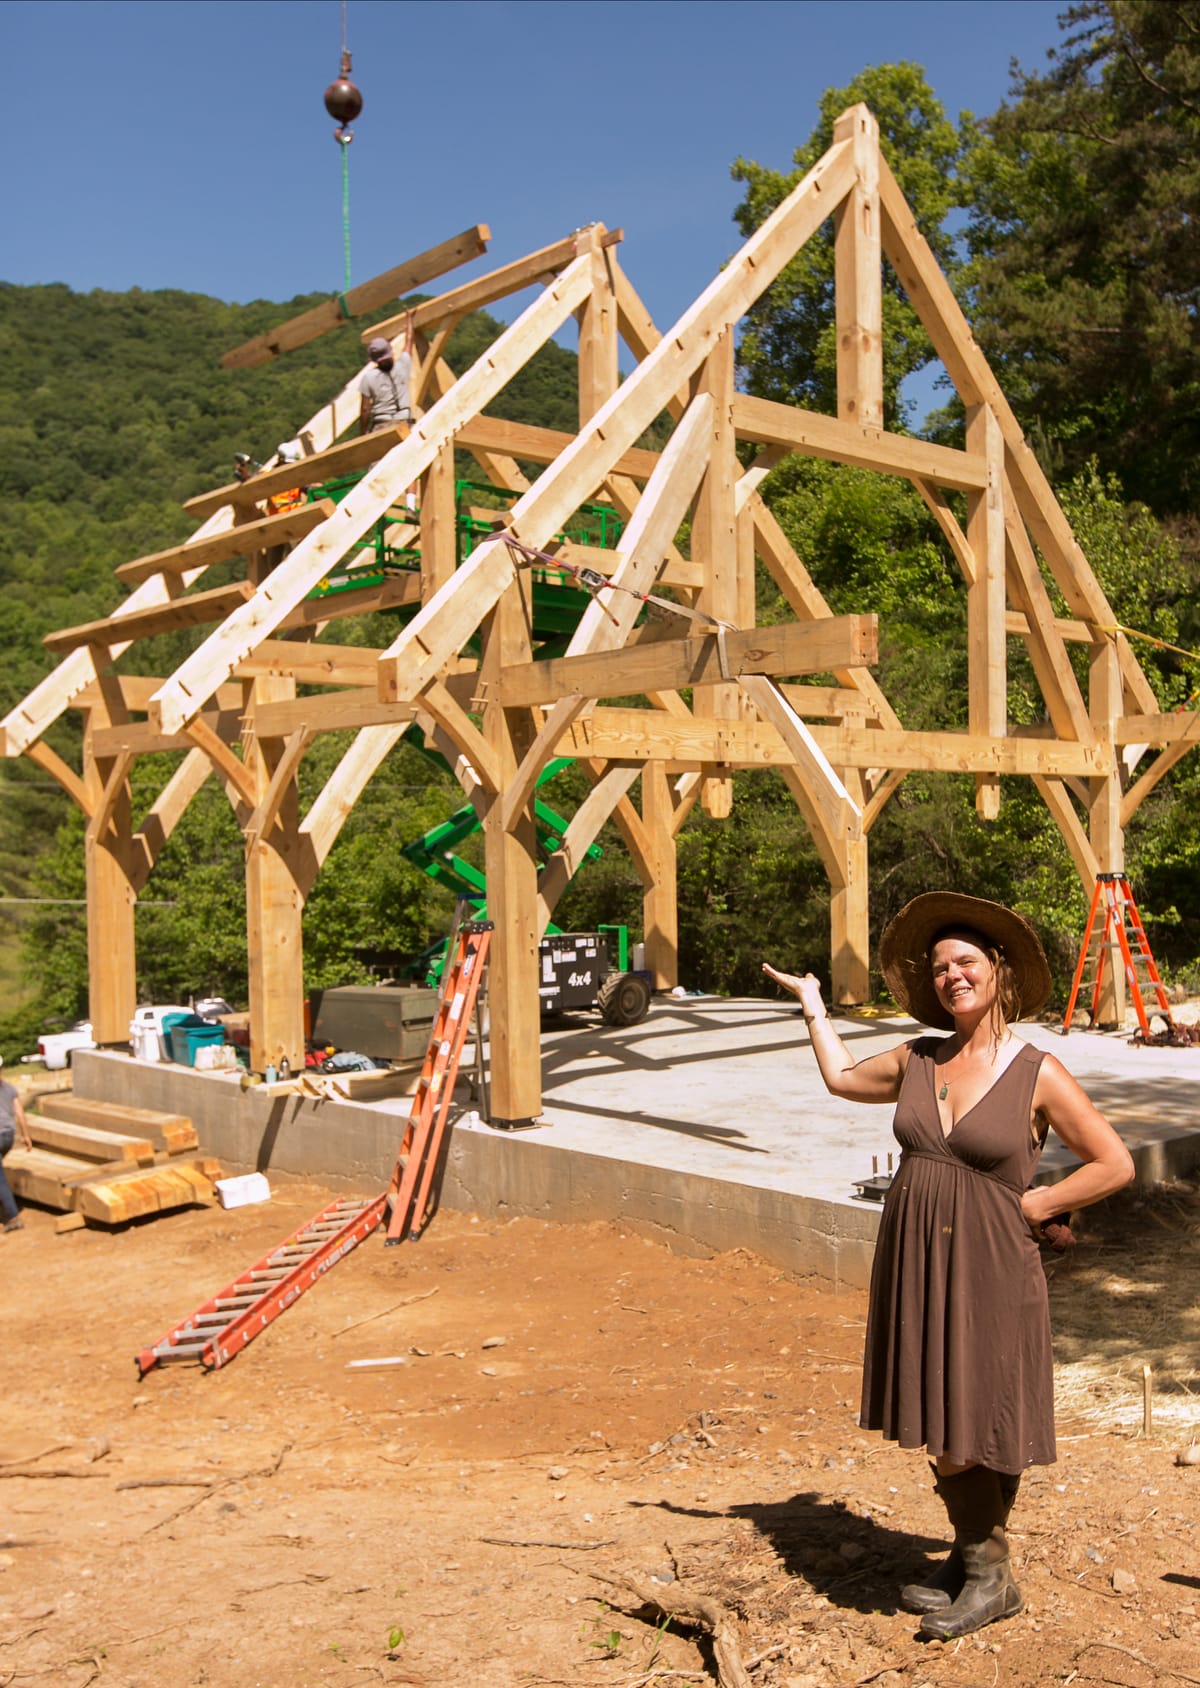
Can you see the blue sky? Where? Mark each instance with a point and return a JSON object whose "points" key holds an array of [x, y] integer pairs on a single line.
{"points": [[184, 143]]}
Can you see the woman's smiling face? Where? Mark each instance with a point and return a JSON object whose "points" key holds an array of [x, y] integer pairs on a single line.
{"points": [[963, 975]]}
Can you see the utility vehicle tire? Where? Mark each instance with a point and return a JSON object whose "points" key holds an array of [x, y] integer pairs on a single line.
{"points": [[623, 999]]}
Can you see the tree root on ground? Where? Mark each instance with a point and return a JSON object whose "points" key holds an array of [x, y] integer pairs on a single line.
{"points": [[695, 1610]]}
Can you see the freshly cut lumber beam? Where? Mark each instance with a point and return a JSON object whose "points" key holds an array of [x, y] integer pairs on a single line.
{"points": [[1181, 727], [811, 647], [639, 735], [89, 1142], [280, 529], [541, 445], [437, 632], [341, 459], [486, 289], [392, 284], [815, 435], [184, 695], [311, 663], [130, 1195], [39, 1175], [140, 738], [166, 1131], [196, 610]]}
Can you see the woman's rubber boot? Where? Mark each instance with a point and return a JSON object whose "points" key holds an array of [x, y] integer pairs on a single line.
{"points": [[944, 1584], [978, 1507], [942, 1587]]}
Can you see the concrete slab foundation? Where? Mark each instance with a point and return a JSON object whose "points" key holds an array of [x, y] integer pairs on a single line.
{"points": [[707, 1126]]}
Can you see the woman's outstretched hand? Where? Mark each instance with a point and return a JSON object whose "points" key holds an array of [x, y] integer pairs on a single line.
{"points": [[806, 987]]}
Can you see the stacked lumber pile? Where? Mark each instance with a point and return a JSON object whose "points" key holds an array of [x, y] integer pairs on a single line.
{"points": [[103, 1163]]}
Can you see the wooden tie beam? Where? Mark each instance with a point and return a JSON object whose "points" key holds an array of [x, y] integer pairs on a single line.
{"points": [[799, 697]]}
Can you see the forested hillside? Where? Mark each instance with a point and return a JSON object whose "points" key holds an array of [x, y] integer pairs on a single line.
{"points": [[113, 409]]}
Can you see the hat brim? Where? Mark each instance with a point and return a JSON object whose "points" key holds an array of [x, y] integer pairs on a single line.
{"points": [[906, 942]]}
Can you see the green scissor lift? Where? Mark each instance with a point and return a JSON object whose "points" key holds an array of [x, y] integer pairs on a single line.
{"points": [[578, 969]]}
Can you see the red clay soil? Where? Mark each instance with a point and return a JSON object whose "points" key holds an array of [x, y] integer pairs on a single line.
{"points": [[583, 1433]]}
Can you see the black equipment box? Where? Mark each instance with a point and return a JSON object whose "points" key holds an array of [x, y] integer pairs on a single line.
{"points": [[389, 1022], [572, 967]]}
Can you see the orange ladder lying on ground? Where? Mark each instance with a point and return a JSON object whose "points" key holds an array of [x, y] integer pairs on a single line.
{"points": [[218, 1330], [1122, 922]]}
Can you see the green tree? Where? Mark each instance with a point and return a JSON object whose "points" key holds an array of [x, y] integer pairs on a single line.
{"points": [[1085, 272]]}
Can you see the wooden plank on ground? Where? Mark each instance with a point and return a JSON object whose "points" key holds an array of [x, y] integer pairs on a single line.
{"points": [[132, 1195], [88, 1142], [174, 1132], [37, 1175]]}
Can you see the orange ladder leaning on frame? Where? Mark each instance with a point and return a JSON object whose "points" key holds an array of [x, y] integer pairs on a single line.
{"points": [[1122, 922]]}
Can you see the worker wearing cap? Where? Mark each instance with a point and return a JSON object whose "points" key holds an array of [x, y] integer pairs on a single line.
{"points": [[384, 387]]}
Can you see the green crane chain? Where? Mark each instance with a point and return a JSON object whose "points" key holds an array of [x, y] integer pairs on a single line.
{"points": [[346, 215]]}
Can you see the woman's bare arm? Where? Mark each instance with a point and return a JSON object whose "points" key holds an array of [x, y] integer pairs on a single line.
{"points": [[876, 1079], [1107, 1163]]}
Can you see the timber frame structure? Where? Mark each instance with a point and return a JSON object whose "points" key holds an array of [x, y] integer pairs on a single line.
{"points": [[235, 708]]}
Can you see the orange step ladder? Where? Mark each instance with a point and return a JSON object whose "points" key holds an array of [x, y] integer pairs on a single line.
{"points": [[1121, 934], [225, 1324]]}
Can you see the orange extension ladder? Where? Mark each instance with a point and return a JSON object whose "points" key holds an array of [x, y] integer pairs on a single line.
{"points": [[1121, 934], [226, 1323]]}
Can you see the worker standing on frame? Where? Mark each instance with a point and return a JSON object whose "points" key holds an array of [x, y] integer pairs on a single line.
{"points": [[384, 385]]}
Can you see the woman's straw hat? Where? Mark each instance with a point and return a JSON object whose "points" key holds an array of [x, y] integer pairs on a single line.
{"points": [[908, 938]]}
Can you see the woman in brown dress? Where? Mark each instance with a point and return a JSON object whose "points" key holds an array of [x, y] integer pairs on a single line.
{"points": [[958, 1356]]}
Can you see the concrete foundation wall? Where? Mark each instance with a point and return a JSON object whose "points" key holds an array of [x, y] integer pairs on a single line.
{"points": [[353, 1146]]}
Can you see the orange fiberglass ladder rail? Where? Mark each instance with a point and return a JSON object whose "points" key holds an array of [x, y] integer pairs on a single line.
{"points": [[225, 1324], [1121, 921]]}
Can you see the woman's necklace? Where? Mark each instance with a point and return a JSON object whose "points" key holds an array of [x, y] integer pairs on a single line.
{"points": [[944, 1091], [946, 1082]]}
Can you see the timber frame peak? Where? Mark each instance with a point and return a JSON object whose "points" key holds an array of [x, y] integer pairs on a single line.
{"points": [[233, 708]]}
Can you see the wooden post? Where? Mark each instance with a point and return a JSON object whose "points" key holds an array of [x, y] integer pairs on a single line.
{"points": [[510, 865], [715, 549], [274, 902], [111, 897], [1105, 695], [849, 928], [660, 901], [858, 277], [987, 671], [849, 921], [439, 530], [598, 340]]}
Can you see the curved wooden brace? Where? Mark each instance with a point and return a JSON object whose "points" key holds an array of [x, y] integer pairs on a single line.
{"points": [[329, 809], [841, 817], [234, 773], [887, 787], [644, 546], [264, 816], [50, 762], [465, 736], [164, 815], [1142, 787], [591, 815], [116, 783], [1074, 834]]}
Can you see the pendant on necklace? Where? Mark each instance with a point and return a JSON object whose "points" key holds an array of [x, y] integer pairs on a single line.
{"points": [[943, 1090]]}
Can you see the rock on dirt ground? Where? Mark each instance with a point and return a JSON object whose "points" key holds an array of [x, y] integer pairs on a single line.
{"points": [[576, 1420]]}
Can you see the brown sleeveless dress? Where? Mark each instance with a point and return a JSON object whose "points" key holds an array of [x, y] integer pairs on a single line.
{"points": [[958, 1357]]}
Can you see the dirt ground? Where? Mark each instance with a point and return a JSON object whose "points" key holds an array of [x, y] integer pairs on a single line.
{"points": [[577, 1421]]}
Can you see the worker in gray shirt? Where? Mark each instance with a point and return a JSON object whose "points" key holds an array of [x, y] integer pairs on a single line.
{"points": [[12, 1120], [384, 387]]}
